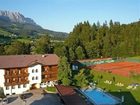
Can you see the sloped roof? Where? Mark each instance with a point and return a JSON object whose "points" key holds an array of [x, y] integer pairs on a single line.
{"points": [[69, 96], [12, 61], [91, 60]]}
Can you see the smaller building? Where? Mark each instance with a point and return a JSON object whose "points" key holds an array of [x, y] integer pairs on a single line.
{"points": [[19, 73], [76, 65], [69, 95]]}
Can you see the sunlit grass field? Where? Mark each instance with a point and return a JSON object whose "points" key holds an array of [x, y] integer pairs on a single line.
{"points": [[133, 59], [131, 96]]}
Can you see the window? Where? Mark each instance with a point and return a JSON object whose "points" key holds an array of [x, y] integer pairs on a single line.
{"points": [[32, 78], [18, 71], [24, 85], [36, 78], [33, 71], [7, 80], [46, 69], [13, 71], [26, 71], [36, 70], [13, 87], [7, 72], [13, 93], [7, 87], [43, 76], [50, 67], [14, 79], [19, 79], [26, 78], [19, 86]]}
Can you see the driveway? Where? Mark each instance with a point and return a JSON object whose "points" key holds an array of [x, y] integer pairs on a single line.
{"points": [[35, 97]]}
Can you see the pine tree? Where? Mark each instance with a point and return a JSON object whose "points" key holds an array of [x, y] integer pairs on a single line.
{"points": [[80, 53], [42, 45], [64, 71]]}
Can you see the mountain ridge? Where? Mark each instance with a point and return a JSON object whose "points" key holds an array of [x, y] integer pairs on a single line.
{"points": [[16, 17], [17, 23]]}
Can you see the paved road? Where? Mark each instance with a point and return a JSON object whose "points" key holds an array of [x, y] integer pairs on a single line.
{"points": [[35, 97]]}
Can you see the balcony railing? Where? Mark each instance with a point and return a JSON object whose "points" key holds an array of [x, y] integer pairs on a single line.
{"points": [[16, 75], [16, 83], [49, 79], [49, 72]]}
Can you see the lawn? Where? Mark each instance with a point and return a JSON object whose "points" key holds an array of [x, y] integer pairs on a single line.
{"points": [[24, 40], [5, 33], [133, 59], [132, 97], [51, 89]]}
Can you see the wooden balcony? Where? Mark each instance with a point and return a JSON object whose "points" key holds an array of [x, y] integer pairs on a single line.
{"points": [[16, 83], [49, 72], [16, 75], [23, 75], [49, 79]]}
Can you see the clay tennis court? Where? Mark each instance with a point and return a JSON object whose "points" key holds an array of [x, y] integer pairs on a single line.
{"points": [[120, 68]]}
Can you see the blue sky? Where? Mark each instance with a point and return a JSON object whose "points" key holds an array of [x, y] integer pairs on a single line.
{"points": [[62, 15]]}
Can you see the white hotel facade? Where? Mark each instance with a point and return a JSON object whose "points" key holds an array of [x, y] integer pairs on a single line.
{"points": [[19, 73]]}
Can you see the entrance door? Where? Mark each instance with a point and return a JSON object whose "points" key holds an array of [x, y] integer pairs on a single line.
{"points": [[33, 86]]}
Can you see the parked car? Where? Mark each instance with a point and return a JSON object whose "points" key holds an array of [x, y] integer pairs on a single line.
{"points": [[4, 101], [0, 100]]}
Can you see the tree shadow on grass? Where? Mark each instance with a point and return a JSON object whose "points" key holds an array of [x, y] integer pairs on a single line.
{"points": [[128, 97]]}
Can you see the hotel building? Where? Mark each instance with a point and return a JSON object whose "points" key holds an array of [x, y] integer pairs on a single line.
{"points": [[19, 73]]}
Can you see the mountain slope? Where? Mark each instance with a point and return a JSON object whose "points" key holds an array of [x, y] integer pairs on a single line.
{"points": [[19, 25]]}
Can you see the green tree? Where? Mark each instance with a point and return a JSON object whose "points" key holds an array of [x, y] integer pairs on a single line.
{"points": [[107, 40], [91, 49], [64, 71], [59, 49], [2, 95], [81, 79], [17, 48], [72, 54], [2, 51], [80, 52], [66, 81], [42, 45]]}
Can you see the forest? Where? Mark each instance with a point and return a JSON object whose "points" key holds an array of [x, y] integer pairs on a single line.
{"points": [[86, 40], [108, 40]]}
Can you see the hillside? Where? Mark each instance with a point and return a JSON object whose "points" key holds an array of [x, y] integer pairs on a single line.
{"points": [[14, 23]]}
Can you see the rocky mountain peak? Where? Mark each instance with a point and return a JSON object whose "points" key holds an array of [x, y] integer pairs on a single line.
{"points": [[15, 17]]}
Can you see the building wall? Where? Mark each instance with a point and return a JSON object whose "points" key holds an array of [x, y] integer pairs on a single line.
{"points": [[16, 89], [35, 76], [49, 73], [2, 80]]}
